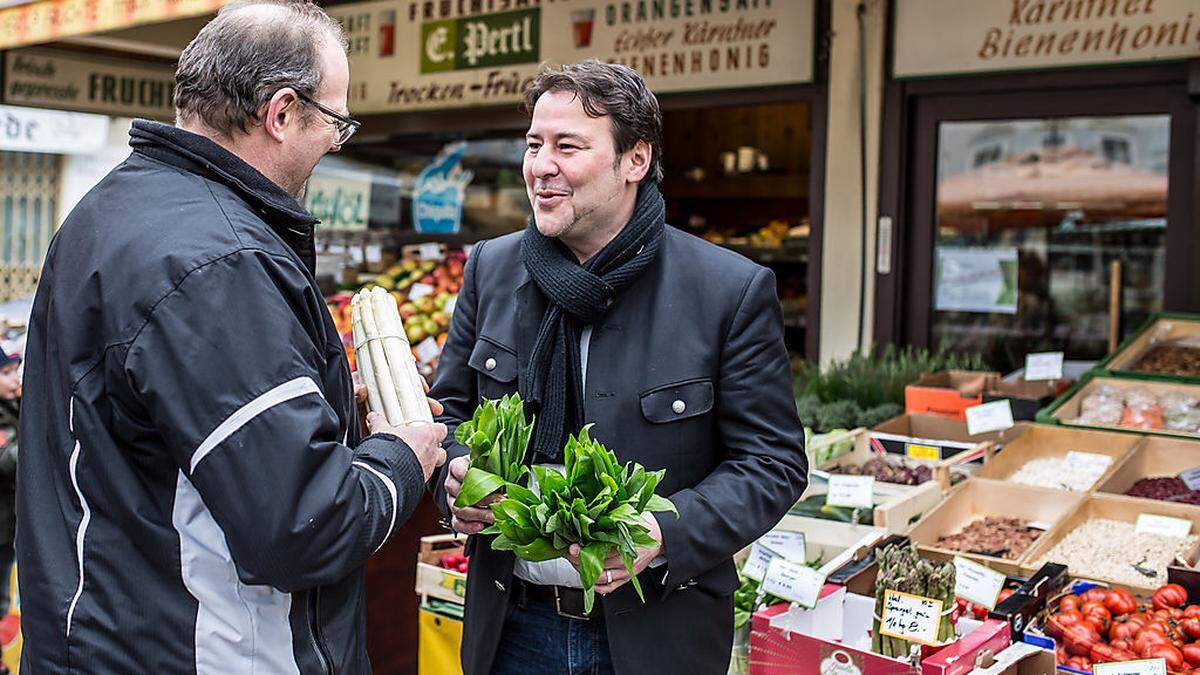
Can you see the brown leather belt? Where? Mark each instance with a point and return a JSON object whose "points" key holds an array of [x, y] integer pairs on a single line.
{"points": [[567, 602]]}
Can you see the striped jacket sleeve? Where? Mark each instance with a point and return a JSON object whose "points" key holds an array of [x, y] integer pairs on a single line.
{"points": [[228, 368]]}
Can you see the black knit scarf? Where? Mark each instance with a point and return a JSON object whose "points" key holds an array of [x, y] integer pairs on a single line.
{"points": [[578, 295]]}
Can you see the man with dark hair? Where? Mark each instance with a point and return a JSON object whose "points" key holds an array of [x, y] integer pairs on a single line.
{"points": [[600, 313], [196, 495]]}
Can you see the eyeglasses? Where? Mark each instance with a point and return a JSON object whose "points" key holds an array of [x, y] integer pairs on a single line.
{"points": [[346, 126]]}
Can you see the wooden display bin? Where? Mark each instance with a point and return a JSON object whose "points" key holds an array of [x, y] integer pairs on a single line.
{"points": [[438, 582], [931, 437], [1112, 507], [1026, 441], [864, 450], [1153, 457], [981, 497], [1160, 329]]}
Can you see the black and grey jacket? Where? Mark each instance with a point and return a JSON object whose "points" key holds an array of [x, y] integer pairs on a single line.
{"points": [[193, 496]]}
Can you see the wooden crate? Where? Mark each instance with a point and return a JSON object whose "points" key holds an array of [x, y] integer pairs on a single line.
{"points": [[1026, 441], [438, 582], [1153, 457]]}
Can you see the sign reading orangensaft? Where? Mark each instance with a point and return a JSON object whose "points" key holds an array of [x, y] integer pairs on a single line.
{"points": [[407, 55], [938, 37]]}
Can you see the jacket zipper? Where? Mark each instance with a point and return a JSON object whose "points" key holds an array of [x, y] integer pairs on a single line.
{"points": [[314, 634]]}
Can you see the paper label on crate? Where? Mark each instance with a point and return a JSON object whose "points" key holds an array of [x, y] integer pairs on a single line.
{"points": [[430, 251], [1151, 523], [450, 305], [1141, 667], [418, 290], [853, 492], [977, 583], [758, 562], [788, 545], [910, 617], [428, 350], [918, 451], [1044, 366], [994, 416], [1191, 478], [373, 253], [795, 582]]}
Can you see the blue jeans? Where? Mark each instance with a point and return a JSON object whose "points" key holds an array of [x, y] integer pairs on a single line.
{"points": [[536, 641]]}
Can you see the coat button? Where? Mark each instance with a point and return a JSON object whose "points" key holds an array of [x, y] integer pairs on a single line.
{"points": [[499, 586], [678, 406], [490, 364]]}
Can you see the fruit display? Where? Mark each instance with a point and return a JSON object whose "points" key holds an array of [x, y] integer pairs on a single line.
{"points": [[1139, 408], [1101, 625], [425, 292], [1171, 359], [1113, 550], [889, 471], [996, 536]]}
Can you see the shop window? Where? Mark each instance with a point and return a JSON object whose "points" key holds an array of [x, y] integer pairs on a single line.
{"points": [[28, 191]]}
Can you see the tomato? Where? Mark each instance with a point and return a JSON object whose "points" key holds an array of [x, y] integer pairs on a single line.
{"points": [[1080, 638], [1122, 645], [1147, 638], [1068, 602], [1191, 654], [1098, 615], [1171, 655], [1190, 626], [1170, 595], [1191, 610], [1094, 595], [1120, 602], [1079, 663], [1125, 629]]}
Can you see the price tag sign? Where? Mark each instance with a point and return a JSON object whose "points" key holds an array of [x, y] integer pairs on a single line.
{"points": [[428, 350], [994, 416], [418, 291], [758, 562], [853, 492], [450, 305], [1150, 523], [431, 251], [1142, 667], [1191, 478], [977, 583], [373, 253], [910, 617], [917, 451], [1044, 366], [788, 545], [791, 581]]}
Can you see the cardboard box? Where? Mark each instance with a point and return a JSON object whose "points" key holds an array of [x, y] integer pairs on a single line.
{"points": [[947, 393], [835, 637], [1026, 442], [1112, 507], [438, 582], [1065, 408], [930, 437], [1026, 398], [1160, 329], [981, 497], [1153, 457], [1019, 659], [832, 542]]}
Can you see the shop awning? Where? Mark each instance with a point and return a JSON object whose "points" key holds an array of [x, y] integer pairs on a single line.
{"points": [[49, 20]]}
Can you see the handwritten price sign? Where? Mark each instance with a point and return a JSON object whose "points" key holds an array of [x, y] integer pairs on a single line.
{"points": [[910, 617]]}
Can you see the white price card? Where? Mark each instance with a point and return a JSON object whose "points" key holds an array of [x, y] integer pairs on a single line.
{"points": [[977, 583], [1191, 478], [910, 617], [994, 416], [431, 251], [794, 582], [756, 565], [788, 545], [450, 305], [853, 492], [1142, 667], [1090, 462], [428, 350], [1150, 523], [1044, 366], [418, 291], [373, 253]]}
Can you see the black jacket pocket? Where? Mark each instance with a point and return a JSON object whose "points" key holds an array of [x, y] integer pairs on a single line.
{"points": [[678, 401]]}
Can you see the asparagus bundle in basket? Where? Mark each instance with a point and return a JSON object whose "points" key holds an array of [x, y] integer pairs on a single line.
{"points": [[385, 359], [901, 569]]}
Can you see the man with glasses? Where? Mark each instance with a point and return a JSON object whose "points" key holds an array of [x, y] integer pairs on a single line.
{"points": [[195, 492]]}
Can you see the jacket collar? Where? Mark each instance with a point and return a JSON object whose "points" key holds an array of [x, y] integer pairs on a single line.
{"points": [[200, 155]]}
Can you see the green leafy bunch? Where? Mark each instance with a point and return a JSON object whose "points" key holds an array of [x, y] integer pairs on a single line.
{"points": [[497, 435], [597, 504]]}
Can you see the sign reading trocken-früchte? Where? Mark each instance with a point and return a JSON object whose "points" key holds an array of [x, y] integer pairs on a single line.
{"points": [[407, 55], [937, 37]]}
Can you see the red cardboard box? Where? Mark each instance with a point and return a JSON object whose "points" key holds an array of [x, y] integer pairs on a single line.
{"points": [[947, 393], [834, 639]]}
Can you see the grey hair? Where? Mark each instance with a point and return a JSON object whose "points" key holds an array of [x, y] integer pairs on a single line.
{"points": [[241, 58], [616, 91]]}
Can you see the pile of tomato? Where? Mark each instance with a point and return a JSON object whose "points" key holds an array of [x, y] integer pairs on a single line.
{"points": [[1102, 625], [454, 561]]}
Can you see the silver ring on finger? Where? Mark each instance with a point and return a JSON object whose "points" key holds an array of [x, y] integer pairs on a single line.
{"points": [[608, 575]]}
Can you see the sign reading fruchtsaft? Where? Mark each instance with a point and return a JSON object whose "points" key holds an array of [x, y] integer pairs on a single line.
{"points": [[938, 37], [407, 55]]}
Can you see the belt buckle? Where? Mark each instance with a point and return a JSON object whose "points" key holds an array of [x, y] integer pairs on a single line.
{"points": [[558, 607]]}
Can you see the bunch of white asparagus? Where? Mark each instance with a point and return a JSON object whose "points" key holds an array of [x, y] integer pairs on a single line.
{"points": [[385, 359]]}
